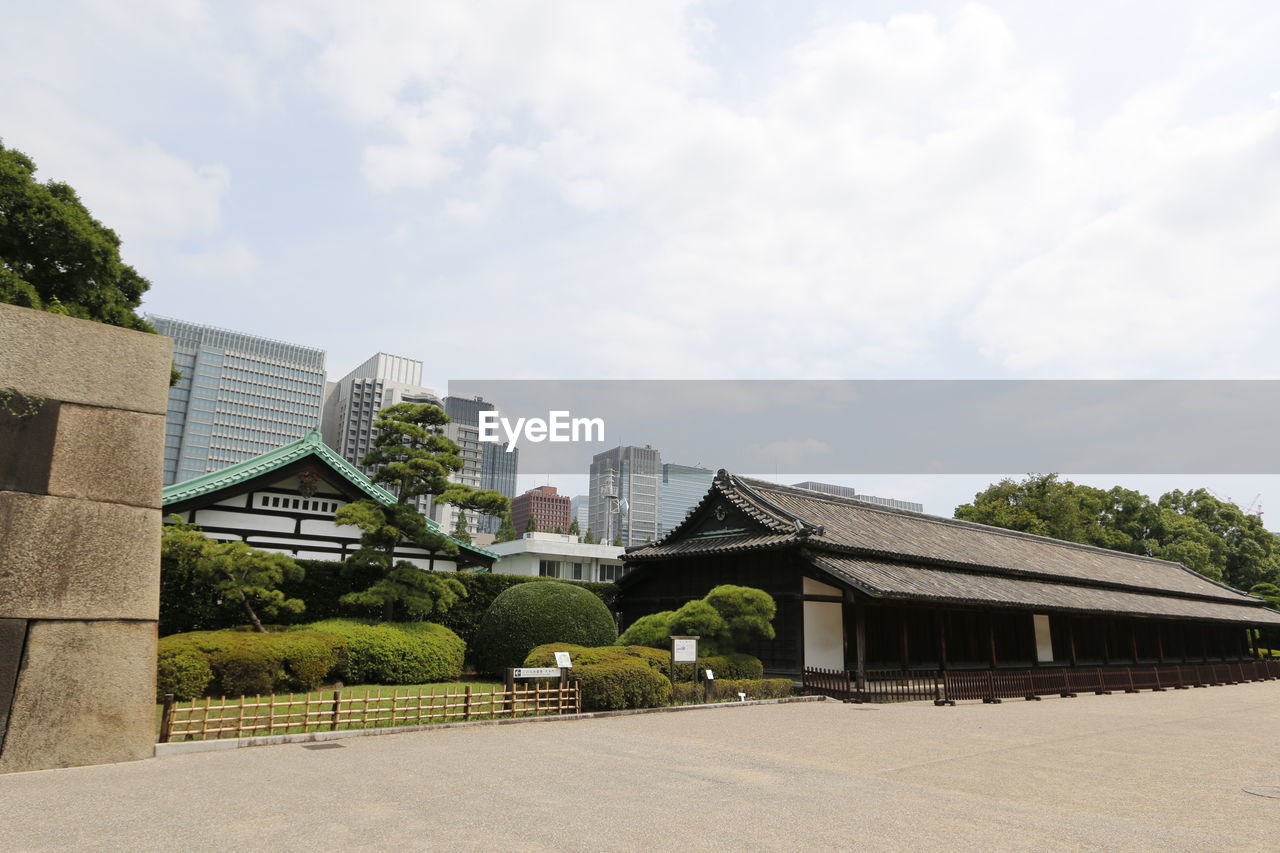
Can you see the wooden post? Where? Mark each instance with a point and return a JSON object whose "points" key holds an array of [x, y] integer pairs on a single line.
{"points": [[466, 703], [1133, 641], [942, 641], [903, 649], [860, 615], [1160, 643], [509, 702], [166, 718], [1106, 642], [1071, 637], [991, 637], [1204, 644], [337, 696]]}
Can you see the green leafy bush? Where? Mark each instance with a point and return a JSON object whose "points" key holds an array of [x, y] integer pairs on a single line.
{"points": [[727, 690], [725, 618], [622, 684], [528, 615], [242, 663], [395, 652], [184, 673]]}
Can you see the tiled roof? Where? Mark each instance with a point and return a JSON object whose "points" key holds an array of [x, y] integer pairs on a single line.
{"points": [[309, 445], [903, 554]]}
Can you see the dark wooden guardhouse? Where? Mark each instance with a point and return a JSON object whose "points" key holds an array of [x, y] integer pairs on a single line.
{"points": [[861, 587]]}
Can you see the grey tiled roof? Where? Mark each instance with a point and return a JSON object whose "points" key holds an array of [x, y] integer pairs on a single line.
{"points": [[902, 554]]}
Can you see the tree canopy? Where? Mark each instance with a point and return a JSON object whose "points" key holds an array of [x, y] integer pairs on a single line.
{"points": [[229, 570], [54, 255], [726, 618], [1203, 532], [413, 457]]}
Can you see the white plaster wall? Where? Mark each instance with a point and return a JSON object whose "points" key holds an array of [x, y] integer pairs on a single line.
{"points": [[824, 634]]}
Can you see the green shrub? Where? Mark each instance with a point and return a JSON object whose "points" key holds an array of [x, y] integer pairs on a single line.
{"points": [[724, 666], [185, 673], [726, 618], [622, 684], [244, 663], [531, 614], [395, 652], [756, 688]]}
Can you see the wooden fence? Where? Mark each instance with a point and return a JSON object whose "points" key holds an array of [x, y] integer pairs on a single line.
{"points": [[248, 716], [993, 685]]}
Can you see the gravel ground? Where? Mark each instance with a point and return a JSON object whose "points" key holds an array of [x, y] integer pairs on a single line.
{"points": [[1124, 772]]}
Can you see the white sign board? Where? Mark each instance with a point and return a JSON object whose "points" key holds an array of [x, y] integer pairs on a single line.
{"points": [[537, 672], [562, 659], [684, 650], [711, 676]]}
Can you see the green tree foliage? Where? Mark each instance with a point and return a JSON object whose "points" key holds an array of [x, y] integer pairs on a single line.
{"points": [[506, 530], [591, 536], [530, 614], [413, 457], [574, 529], [1269, 591], [617, 540], [55, 256], [231, 570], [531, 526], [460, 531], [1211, 536], [726, 618]]}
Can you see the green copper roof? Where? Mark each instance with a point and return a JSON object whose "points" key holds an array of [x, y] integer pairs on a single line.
{"points": [[309, 444]]}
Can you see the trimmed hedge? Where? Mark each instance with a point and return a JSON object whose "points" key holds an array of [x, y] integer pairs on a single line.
{"points": [[187, 607], [727, 690], [724, 666], [531, 614], [396, 652], [623, 684], [239, 663]]}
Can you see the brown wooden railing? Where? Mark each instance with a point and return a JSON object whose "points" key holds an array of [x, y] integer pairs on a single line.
{"points": [[993, 685], [248, 716]]}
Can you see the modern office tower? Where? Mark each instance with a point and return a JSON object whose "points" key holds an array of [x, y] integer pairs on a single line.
{"points": [[494, 469], [580, 511], [546, 506], [683, 487], [849, 492], [624, 494], [352, 403], [239, 396]]}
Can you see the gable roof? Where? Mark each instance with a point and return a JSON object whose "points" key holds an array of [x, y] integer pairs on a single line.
{"points": [[903, 554], [309, 445]]}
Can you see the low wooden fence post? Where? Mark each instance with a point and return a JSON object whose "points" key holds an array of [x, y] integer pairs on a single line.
{"points": [[466, 703], [333, 726], [166, 718]]}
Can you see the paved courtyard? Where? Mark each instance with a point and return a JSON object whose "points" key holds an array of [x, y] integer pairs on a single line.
{"points": [[1123, 772]]}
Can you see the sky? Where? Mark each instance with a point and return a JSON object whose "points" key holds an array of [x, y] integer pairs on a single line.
{"points": [[684, 189]]}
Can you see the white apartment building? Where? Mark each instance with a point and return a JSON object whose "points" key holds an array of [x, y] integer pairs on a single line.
{"points": [[554, 555]]}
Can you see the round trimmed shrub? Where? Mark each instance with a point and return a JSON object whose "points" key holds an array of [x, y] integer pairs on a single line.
{"points": [[622, 684], [531, 614], [185, 673]]}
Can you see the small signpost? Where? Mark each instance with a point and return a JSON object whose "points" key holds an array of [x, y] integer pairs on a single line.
{"points": [[563, 661], [683, 650], [529, 673]]}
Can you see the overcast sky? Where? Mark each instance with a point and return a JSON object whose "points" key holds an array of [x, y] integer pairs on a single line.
{"points": [[677, 189]]}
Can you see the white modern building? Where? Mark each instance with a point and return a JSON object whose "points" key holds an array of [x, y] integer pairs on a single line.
{"points": [[554, 555]]}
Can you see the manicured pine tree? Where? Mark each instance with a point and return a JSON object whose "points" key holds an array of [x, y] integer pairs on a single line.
{"points": [[413, 457]]}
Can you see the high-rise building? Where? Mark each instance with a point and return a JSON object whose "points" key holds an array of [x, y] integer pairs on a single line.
{"points": [[683, 487], [238, 397], [546, 506], [850, 492], [580, 511], [624, 494], [352, 404], [495, 468]]}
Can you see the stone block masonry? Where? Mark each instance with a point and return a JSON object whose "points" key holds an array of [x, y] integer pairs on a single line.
{"points": [[81, 457]]}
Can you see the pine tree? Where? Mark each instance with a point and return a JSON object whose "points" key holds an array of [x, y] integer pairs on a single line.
{"points": [[574, 529], [506, 530], [412, 456], [531, 526], [460, 531]]}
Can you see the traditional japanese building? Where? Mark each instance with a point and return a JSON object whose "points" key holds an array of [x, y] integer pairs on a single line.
{"points": [[285, 500], [860, 587]]}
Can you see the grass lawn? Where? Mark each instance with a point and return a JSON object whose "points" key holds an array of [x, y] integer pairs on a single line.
{"points": [[360, 706]]}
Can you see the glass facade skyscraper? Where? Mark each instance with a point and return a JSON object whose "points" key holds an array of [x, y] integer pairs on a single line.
{"points": [[624, 494], [683, 487], [239, 396]]}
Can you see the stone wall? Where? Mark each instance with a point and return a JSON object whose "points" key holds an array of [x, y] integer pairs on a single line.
{"points": [[81, 459]]}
